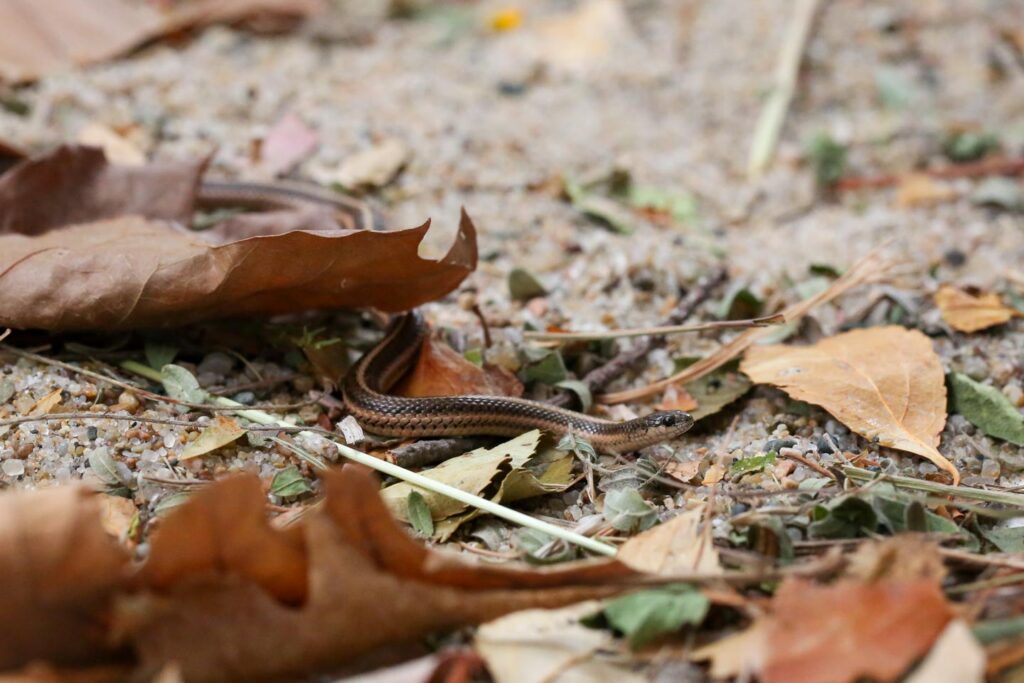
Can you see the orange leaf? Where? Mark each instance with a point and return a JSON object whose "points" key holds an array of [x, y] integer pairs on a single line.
{"points": [[883, 382], [919, 189], [966, 312], [442, 371]]}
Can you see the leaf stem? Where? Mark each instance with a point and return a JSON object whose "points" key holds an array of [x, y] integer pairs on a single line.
{"points": [[598, 335], [1004, 497]]}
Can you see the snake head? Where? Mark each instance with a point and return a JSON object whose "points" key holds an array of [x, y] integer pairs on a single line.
{"points": [[671, 422]]}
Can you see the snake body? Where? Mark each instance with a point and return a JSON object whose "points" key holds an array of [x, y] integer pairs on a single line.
{"points": [[367, 383]]}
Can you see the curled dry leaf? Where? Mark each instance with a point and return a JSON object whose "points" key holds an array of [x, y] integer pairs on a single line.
{"points": [[42, 38], [966, 312], [882, 382], [134, 271], [442, 371], [675, 547], [900, 558], [220, 432]]}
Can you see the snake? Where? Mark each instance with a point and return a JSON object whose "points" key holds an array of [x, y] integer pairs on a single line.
{"points": [[365, 387], [365, 394]]}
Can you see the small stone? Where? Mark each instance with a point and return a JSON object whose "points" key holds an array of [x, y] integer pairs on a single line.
{"points": [[91, 433], [825, 444], [216, 363], [127, 401], [303, 384], [778, 444], [990, 469], [246, 398], [13, 467]]}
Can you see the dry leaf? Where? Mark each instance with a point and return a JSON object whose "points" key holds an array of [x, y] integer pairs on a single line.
{"points": [[58, 569], [117, 516], [584, 39], [286, 144], [740, 654], [46, 404], [117, 149], [41, 38], [714, 474], [901, 558], [683, 471], [442, 371], [675, 547], [134, 272], [966, 312], [956, 657], [374, 167], [677, 398], [850, 631], [920, 189], [540, 646], [882, 382], [222, 431]]}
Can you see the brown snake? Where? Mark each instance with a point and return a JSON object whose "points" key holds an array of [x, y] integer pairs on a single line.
{"points": [[380, 368], [367, 383]]}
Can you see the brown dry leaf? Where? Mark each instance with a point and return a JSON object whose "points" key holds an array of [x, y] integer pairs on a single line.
{"points": [[966, 312], [286, 144], [675, 547], [58, 569], [920, 189], [222, 431], [369, 585], [44, 37], [137, 272], [714, 474], [882, 382], [683, 471], [849, 631], [374, 167], [442, 371], [900, 558], [585, 38], [677, 398], [740, 654], [47, 403], [868, 268], [117, 516], [117, 149]]}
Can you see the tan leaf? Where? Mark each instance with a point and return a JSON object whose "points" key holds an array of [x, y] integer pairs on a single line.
{"points": [[714, 474], [677, 398], [220, 432], [133, 272], [882, 382], [683, 471], [850, 631], [956, 657], [740, 654], [118, 150], [920, 189], [901, 558], [41, 38], [58, 569], [47, 403], [675, 547], [539, 646], [117, 516], [442, 371], [286, 144], [966, 312]]}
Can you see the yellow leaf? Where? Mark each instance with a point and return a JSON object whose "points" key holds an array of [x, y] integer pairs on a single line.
{"points": [[222, 431], [507, 19], [883, 382], [675, 547], [968, 313], [919, 189]]}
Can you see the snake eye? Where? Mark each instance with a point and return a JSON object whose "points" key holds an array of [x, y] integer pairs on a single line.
{"points": [[670, 419]]}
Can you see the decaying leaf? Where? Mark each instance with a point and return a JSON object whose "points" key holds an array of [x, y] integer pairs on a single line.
{"points": [[44, 38], [675, 547], [136, 271], [986, 408], [118, 516], [901, 558], [849, 631], [965, 312], [441, 371], [882, 382], [220, 432], [538, 646]]}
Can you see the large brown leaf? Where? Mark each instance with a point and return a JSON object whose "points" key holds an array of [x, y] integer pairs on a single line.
{"points": [[882, 382], [134, 271], [966, 312], [44, 37]]}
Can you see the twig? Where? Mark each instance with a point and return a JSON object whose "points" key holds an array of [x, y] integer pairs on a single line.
{"points": [[649, 331], [483, 324], [128, 417], [981, 560], [4, 334], [797, 456], [1004, 497], [994, 582], [773, 114], [864, 270], [985, 167]]}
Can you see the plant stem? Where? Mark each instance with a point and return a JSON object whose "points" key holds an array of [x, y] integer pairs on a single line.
{"points": [[651, 331], [1004, 497]]}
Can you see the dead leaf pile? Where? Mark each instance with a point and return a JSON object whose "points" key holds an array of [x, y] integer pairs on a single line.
{"points": [[966, 312], [88, 245], [884, 383]]}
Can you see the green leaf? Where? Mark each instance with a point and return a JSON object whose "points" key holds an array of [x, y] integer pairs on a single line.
{"points": [[181, 385], [645, 616], [846, 517], [601, 209], [1007, 539], [1003, 193], [474, 356], [755, 463], [549, 370], [419, 514], [995, 630], [289, 483], [523, 285], [626, 510], [986, 408], [679, 205], [159, 354], [170, 503], [828, 158], [540, 548], [894, 89], [581, 390], [825, 269], [582, 448], [768, 537], [106, 468], [968, 146], [6, 391], [739, 302]]}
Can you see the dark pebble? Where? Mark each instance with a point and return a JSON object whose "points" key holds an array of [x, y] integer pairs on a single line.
{"points": [[777, 444], [245, 398], [955, 258], [739, 508], [91, 433], [512, 88], [825, 444]]}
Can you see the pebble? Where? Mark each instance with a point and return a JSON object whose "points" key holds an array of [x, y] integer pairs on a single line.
{"points": [[13, 467], [216, 363], [244, 397]]}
